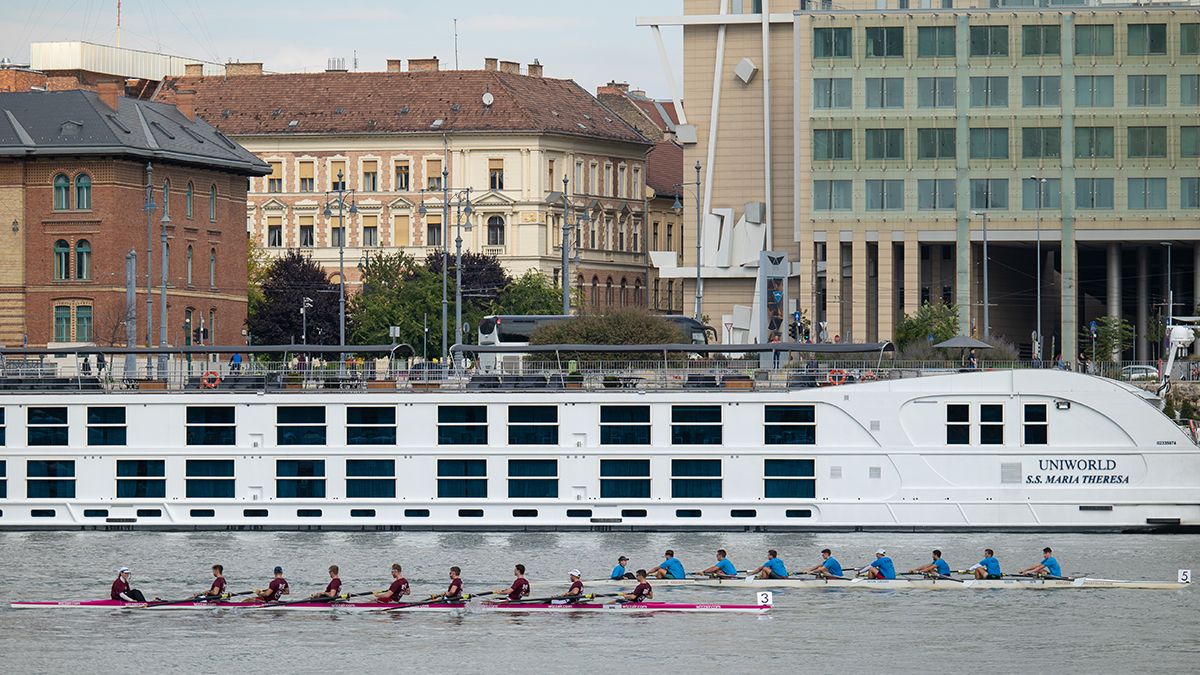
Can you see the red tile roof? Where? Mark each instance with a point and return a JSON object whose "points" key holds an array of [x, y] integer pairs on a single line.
{"points": [[664, 168], [650, 107], [399, 103]]}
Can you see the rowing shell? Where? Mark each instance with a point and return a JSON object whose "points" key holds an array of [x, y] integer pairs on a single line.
{"points": [[906, 584], [377, 606]]}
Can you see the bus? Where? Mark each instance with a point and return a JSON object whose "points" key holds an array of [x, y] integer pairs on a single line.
{"points": [[516, 330]]}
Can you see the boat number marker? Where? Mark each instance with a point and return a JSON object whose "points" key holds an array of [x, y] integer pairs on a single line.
{"points": [[1185, 576], [764, 597]]}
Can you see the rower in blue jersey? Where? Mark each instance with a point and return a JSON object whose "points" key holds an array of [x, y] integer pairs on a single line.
{"points": [[1048, 567], [829, 566], [722, 568], [880, 568], [669, 568], [988, 568], [619, 571], [773, 568], [936, 568]]}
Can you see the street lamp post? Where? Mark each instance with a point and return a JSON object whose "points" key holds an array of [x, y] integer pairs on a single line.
{"points": [[460, 211], [305, 305], [341, 193], [678, 208], [1170, 291], [444, 236], [149, 207], [1039, 185], [162, 297], [566, 242]]}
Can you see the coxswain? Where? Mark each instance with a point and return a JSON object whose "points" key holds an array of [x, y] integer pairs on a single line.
{"points": [[829, 566], [723, 568], [881, 567], [669, 568], [274, 590], [519, 588], [397, 590], [332, 589], [217, 589], [988, 568], [575, 592], [1048, 567], [936, 568], [619, 571], [454, 593], [642, 592], [773, 568], [122, 591]]}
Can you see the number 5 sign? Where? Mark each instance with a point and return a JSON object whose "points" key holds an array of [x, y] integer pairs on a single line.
{"points": [[1185, 577]]}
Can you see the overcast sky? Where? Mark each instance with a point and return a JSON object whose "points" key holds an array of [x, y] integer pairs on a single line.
{"points": [[589, 41]]}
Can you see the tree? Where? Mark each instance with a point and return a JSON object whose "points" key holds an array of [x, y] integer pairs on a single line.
{"points": [[288, 280], [483, 278], [531, 293], [258, 262], [1113, 336], [397, 291], [937, 320], [618, 327]]}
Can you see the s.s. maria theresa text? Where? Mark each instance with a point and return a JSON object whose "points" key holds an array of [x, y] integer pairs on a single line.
{"points": [[1082, 471]]}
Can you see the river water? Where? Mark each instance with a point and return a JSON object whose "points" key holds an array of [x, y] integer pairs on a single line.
{"points": [[1069, 631]]}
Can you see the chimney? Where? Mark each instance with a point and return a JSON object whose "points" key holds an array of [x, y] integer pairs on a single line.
{"points": [[193, 70], [236, 69], [491, 64], [185, 102], [109, 92], [613, 88], [395, 65], [535, 69], [423, 65], [510, 67]]}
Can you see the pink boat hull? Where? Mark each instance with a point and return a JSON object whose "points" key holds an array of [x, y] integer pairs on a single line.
{"points": [[379, 607]]}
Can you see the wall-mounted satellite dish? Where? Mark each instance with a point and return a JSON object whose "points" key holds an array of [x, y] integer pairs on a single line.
{"points": [[488, 99]]}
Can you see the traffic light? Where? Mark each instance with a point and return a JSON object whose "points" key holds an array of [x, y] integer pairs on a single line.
{"points": [[794, 331]]}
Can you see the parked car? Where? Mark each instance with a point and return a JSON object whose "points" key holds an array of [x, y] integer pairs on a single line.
{"points": [[1134, 373]]}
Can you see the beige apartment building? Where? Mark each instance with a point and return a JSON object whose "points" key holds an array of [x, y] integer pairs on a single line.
{"points": [[875, 141]]}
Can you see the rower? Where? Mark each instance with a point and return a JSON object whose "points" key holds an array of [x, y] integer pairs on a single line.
{"points": [[332, 589], [519, 587], [1047, 567], [217, 589], [121, 589], [575, 592], [397, 590], [723, 568], [455, 592], [619, 571], [936, 568], [642, 592], [829, 567], [274, 590], [773, 568], [988, 568], [669, 568], [880, 568]]}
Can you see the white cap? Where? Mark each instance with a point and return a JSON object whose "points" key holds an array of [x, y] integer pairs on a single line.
{"points": [[575, 573], [880, 552], [123, 570]]}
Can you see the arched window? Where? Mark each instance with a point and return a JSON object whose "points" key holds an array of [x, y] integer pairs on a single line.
{"points": [[62, 260], [670, 295], [166, 199], [608, 293], [187, 199], [624, 293], [657, 288], [189, 265], [83, 192], [595, 291], [83, 259], [495, 231], [62, 192], [212, 204], [212, 268]]}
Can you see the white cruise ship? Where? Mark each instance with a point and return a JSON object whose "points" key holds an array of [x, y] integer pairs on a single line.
{"points": [[1012, 449]]}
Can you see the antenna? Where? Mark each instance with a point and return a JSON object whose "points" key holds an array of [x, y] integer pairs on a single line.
{"points": [[456, 44], [118, 24], [355, 55]]}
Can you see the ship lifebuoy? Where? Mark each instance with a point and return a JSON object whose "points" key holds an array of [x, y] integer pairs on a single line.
{"points": [[837, 376], [210, 380], [868, 376]]}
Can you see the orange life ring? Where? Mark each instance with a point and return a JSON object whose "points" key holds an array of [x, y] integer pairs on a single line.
{"points": [[210, 380], [837, 376], [868, 376]]}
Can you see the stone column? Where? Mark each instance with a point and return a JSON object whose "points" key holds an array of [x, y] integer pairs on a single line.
{"points": [[833, 282], [912, 272], [1143, 303], [1195, 291], [884, 279], [1114, 285], [858, 288]]}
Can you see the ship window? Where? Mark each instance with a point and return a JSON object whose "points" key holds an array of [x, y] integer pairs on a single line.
{"points": [[95, 513], [2, 428], [695, 425], [254, 513], [958, 424], [371, 478], [48, 426], [470, 513], [991, 424], [300, 425], [210, 425], [532, 478], [687, 513], [370, 426], [308, 513], [533, 425], [462, 425], [202, 513], [789, 479], [416, 513], [3, 479], [105, 426], [50, 478], [362, 513], [462, 478], [790, 425], [624, 479], [1036, 425], [209, 479], [300, 478], [633, 513], [42, 513], [525, 513], [624, 425], [141, 478], [695, 478], [798, 513], [743, 513], [579, 513], [149, 513]]}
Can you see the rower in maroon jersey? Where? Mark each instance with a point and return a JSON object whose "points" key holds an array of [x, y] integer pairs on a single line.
{"points": [[455, 592], [274, 591], [332, 589], [519, 588], [642, 592], [217, 588], [574, 593], [397, 590], [122, 591]]}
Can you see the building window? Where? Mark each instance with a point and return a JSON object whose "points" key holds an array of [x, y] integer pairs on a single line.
{"points": [[1147, 193], [885, 41], [885, 195], [608, 292], [1189, 39], [1093, 193], [935, 41], [832, 195], [533, 425], [989, 143], [337, 175], [789, 479], [936, 143], [401, 176], [1036, 424], [989, 40], [1147, 39], [1094, 91], [935, 92], [83, 259], [1189, 90], [495, 231], [141, 479], [401, 232], [433, 230], [306, 232], [274, 231], [532, 479], [936, 194], [433, 174], [593, 178], [1041, 91], [885, 143], [188, 198], [300, 425], [371, 479], [1147, 141], [62, 323], [829, 144], [989, 193], [695, 425], [1189, 141], [337, 234], [62, 193], [1045, 142], [300, 478], [370, 230], [885, 92], [209, 479], [624, 479], [83, 192], [789, 425], [370, 425], [1094, 142], [608, 180], [462, 425], [958, 424], [1094, 40], [1041, 40], [577, 184], [1147, 90], [212, 204], [624, 425], [50, 479], [1050, 197], [695, 479], [370, 176], [275, 180], [308, 182], [62, 260], [83, 323], [622, 190], [47, 426], [495, 174], [831, 42], [188, 267], [1189, 193], [832, 92], [462, 478], [989, 92]]}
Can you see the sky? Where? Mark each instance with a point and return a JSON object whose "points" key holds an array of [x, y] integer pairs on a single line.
{"points": [[589, 41]]}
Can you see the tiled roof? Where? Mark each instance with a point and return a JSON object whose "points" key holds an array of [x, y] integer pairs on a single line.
{"points": [[661, 113], [664, 168], [399, 103], [42, 123]]}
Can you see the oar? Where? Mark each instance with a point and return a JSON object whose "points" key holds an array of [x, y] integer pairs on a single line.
{"points": [[316, 599], [1040, 576], [203, 597], [430, 601], [586, 596]]}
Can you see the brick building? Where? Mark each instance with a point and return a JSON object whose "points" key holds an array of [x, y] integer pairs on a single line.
{"points": [[73, 175]]}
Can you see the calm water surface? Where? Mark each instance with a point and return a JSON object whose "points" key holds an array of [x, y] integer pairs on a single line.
{"points": [[1077, 631]]}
